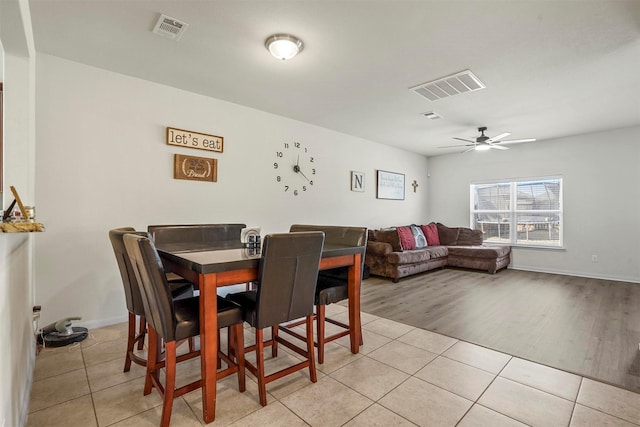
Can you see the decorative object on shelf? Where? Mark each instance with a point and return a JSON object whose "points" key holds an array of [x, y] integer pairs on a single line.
{"points": [[390, 185], [414, 184], [250, 237], [190, 139], [195, 168], [295, 168], [23, 220], [357, 181]]}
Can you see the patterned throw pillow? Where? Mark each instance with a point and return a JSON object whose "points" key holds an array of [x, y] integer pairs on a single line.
{"points": [[407, 241], [418, 236], [431, 233]]}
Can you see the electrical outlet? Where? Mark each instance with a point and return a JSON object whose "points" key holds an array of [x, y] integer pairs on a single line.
{"points": [[594, 258]]}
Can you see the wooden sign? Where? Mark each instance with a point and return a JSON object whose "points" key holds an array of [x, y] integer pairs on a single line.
{"points": [[195, 168], [187, 138]]}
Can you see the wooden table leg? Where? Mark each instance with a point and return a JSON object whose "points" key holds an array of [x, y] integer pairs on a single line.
{"points": [[355, 276], [208, 343]]}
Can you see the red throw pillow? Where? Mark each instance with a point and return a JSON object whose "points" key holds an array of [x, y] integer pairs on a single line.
{"points": [[406, 238], [431, 233]]}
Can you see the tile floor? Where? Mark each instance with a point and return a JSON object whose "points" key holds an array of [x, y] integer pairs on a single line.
{"points": [[403, 376]]}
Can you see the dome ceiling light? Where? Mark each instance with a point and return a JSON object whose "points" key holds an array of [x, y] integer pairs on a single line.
{"points": [[283, 46]]}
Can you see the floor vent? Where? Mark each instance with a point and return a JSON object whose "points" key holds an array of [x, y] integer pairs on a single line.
{"points": [[170, 27], [464, 81]]}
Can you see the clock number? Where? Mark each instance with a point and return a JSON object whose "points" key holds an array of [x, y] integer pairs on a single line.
{"points": [[310, 159], [278, 178], [286, 145], [295, 192], [278, 153], [286, 188], [275, 165], [296, 144], [310, 182], [313, 171], [304, 188]]}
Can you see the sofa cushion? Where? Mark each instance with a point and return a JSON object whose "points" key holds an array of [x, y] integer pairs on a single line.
{"points": [[480, 251], [448, 236], [417, 255], [431, 234], [389, 236], [469, 237]]}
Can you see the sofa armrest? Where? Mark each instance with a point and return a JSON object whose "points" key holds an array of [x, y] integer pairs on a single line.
{"points": [[379, 248]]}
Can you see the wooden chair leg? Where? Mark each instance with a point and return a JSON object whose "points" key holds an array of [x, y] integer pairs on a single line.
{"points": [[311, 350], [170, 384], [152, 360], [218, 361], [262, 388], [131, 338], [274, 341], [238, 335], [142, 332], [320, 316]]}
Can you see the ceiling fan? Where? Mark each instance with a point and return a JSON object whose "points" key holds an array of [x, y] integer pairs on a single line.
{"points": [[484, 142]]}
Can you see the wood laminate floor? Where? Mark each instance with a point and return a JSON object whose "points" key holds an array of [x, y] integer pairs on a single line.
{"points": [[589, 327]]}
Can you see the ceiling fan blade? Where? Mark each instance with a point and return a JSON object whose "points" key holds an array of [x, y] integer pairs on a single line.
{"points": [[498, 147], [465, 140], [499, 137], [454, 146], [515, 141], [470, 149]]}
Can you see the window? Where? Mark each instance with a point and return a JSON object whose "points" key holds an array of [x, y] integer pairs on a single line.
{"points": [[524, 213]]}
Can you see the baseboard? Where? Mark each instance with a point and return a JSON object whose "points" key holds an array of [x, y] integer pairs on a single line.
{"points": [[99, 323], [26, 398], [576, 274]]}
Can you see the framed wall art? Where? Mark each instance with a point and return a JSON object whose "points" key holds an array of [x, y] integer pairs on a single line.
{"points": [[357, 181], [390, 185], [195, 168]]}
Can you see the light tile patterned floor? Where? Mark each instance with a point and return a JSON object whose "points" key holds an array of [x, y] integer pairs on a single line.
{"points": [[403, 376]]}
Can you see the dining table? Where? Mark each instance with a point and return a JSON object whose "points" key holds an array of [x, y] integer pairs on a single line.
{"points": [[211, 266]]}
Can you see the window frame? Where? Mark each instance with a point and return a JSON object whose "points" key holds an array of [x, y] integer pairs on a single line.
{"points": [[513, 212]]}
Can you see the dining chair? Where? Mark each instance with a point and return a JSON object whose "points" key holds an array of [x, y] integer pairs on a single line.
{"points": [[173, 321], [286, 284], [332, 285], [196, 235], [180, 288]]}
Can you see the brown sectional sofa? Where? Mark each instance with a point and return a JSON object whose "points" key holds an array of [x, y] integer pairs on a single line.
{"points": [[459, 247]]}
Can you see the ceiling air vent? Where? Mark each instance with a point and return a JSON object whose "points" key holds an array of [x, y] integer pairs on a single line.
{"points": [[170, 27], [464, 81]]}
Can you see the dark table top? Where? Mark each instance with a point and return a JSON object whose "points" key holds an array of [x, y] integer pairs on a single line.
{"points": [[205, 258]]}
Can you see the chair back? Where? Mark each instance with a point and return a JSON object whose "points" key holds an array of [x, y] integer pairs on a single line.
{"points": [[154, 289], [287, 277], [196, 235], [129, 281], [338, 235]]}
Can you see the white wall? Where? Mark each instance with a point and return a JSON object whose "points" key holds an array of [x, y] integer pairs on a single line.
{"points": [[601, 173], [16, 250], [102, 162]]}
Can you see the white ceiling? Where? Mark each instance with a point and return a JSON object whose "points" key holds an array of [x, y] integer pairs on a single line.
{"points": [[552, 68]]}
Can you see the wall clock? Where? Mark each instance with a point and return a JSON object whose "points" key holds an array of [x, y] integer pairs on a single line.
{"points": [[295, 168]]}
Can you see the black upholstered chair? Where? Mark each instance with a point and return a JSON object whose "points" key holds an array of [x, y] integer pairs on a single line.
{"points": [[180, 288], [173, 321], [332, 285], [286, 284], [192, 236]]}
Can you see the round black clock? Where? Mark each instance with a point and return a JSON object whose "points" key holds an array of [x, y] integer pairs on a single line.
{"points": [[295, 168]]}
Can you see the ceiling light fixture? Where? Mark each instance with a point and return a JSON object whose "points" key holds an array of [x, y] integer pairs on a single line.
{"points": [[283, 46], [482, 147]]}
